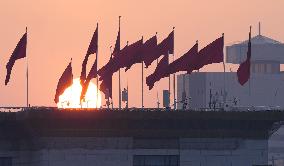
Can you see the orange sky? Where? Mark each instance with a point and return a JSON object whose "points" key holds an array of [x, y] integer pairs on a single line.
{"points": [[60, 29]]}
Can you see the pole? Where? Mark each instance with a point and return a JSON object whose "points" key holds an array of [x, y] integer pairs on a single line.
{"points": [[127, 95], [250, 67], [97, 55], [169, 89], [142, 85], [119, 85], [259, 30], [174, 87], [109, 91], [27, 73], [142, 82], [224, 67], [158, 102], [174, 79]]}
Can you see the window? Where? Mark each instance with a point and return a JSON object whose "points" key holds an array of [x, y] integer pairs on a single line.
{"points": [[5, 161], [156, 160]]}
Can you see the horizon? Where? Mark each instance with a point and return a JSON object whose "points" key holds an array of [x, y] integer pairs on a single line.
{"points": [[66, 34]]}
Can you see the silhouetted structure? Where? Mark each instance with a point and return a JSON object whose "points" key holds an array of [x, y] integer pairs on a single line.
{"points": [[133, 137]]}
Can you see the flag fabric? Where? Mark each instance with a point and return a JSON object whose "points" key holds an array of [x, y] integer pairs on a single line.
{"points": [[92, 74], [93, 48], [134, 54], [167, 45], [114, 64], [184, 62], [243, 72], [117, 44], [149, 50], [64, 82], [212, 53], [18, 53], [164, 48], [106, 86], [159, 73]]}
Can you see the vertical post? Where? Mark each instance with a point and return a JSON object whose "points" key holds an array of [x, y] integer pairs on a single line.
{"points": [[224, 67], [250, 66], [109, 91], [127, 96], [183, 96], [97, 55], [27, 72], [158, 102], [259, 30], [142, 84], [108, 102], [119, 85], [169, 89], [174, 87], [174, 79]]}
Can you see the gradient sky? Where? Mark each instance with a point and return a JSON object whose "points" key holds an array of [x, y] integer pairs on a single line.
{"points": [[61, 29]]}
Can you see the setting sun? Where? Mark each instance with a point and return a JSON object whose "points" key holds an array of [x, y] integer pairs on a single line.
{"points": [[71, 96]]}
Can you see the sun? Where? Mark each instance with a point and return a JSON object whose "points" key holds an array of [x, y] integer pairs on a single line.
{"points": [[71, 96]]}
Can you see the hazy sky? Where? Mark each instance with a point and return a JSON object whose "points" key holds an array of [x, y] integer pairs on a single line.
{"points": [[61, 29]]}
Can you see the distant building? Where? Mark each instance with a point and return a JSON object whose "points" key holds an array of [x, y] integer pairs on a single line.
{"points": [[264, 90], [265, 87]]}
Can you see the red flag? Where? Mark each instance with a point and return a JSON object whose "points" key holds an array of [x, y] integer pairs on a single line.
{"points": [[117, 43], [64, 82], [106, 86], [212, 53], [119, 61], [243, 72], [92, 74], [149, 50], [93, 48], [159, 73], [167, 45], [164, 48], [18, 53], [184, 62], [134, 54]]}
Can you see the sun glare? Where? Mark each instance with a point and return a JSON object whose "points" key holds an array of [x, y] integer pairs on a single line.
{"points": [[71, 96]]}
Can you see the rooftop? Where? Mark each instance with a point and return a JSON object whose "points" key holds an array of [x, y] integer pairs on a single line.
{"points": [[259, 40], [149, 123]]}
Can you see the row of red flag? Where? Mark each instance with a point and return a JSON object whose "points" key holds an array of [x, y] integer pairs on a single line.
{"points": [[138, 52]]}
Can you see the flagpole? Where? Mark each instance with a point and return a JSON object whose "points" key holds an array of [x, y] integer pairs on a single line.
{"points": [[119, 84], [224, 67], [142, 82], [97, 55], [157, 87], [169, 87], [27, 73], [250, 67], [174, 79], [109, 91], [142, 85]]}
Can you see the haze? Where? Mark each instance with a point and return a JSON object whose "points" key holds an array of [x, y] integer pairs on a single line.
{"points": [[59, 30]]}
